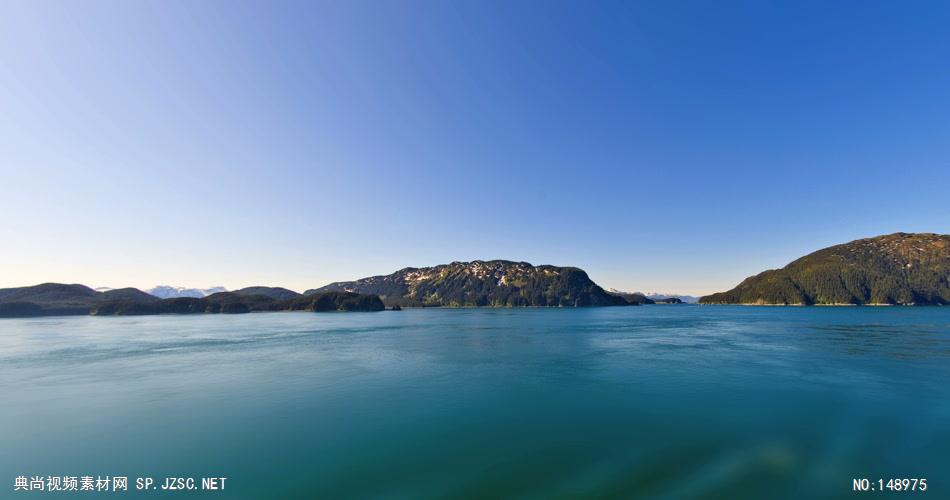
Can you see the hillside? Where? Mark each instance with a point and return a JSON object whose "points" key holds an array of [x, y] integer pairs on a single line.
{"points": [[898, 268], [496, 283]]}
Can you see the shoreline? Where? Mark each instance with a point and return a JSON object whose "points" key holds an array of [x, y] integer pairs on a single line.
{"points": [[458, 308]]}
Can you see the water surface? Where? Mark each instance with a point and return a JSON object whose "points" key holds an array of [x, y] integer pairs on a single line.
{"points": [[649, 402]]}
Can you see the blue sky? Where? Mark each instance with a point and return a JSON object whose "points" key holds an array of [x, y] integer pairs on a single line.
{"points": [[661, 146]]}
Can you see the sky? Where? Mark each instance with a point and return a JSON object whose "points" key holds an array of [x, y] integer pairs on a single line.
{"points": [[661, 146]]}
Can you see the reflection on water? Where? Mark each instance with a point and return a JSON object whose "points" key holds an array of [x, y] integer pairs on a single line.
{"points": [[658, 402]]}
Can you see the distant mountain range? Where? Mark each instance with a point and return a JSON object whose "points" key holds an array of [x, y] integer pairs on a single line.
{"points": [[496, 283], [635, 298], [654, 298], [170, 292], [898, 268], [660, 297], [56, 299], [493, 283]]}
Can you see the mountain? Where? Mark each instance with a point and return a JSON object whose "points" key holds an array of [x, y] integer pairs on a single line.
{"points": [[168, 292], [898, 268], [274, 292], [495, 283]]}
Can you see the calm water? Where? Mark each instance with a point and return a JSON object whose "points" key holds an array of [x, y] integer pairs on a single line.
{"points": [[651, 402]]}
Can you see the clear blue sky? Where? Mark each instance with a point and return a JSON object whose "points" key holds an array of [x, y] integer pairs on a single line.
{"points": [[661, 146]]}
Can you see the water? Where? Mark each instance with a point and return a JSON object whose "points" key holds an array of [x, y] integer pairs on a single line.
{"points": [[648, 402]]}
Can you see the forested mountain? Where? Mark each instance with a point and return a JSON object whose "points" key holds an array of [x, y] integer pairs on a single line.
{"points": [[495, 283], [898, 268]]}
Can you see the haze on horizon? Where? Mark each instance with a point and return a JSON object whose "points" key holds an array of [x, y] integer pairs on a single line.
{"points": [[664, 146]]}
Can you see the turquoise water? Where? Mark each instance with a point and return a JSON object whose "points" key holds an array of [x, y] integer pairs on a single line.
{"points": [[648, 402]]}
